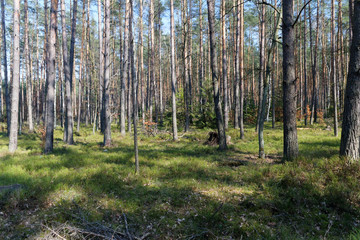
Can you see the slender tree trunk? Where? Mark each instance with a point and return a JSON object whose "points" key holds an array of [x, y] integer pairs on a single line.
{"points": [[305, 72], [28, 70], [291, 149], [241, 70], [261, 60], [333, 66], [125, 70], [83, 34], [350, 140], [161, 105], [224, 64], [237, 65], [142, 75], [201, 62], [269, 69], [313, 117], [13, 137], [274, 75], [173, 70], [68, 131], [101, 67], [37, 67], [6, 81], [134, 87], [215, 78], [106, 93], [50, 96]]}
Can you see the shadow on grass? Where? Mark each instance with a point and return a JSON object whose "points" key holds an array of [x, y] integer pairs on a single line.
{"points": [[182, 193]]}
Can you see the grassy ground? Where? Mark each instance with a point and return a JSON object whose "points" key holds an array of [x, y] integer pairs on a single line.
{"points": [[185, 190]]}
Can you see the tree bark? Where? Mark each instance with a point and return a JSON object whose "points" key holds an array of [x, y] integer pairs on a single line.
{"points": [[333, 67], [215, 79], [224, 64], [173, 71], [101, 67], [350, 135], [13, 137], [106, 93], [68, 130], [28, 70], [291, 149], [50, 96]]}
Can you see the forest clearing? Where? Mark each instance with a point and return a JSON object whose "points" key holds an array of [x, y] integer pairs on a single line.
{"points": [[186, 189]]}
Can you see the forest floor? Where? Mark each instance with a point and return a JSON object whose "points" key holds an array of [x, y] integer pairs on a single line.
{"points": [[185, 189]]}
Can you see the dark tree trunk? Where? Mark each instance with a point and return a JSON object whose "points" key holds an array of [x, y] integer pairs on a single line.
{"points": [[350, 136], [289, 83], [215, 78]]}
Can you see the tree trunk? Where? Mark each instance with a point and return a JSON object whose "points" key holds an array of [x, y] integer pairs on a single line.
{"points": [[173, 73], [28, 70], [6, 81], [215, 79], [81, 67], [333, 66], [68, 131], [224, 64], [350, 140], [291, 149], [101, 67], [50, 96], [125, 70], [241, 71], [134, 88], [13, 137], [106, 93], [305, 72]]}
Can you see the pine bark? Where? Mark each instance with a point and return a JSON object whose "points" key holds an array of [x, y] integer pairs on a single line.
{"points": [[13, 137], [333, 67], [215, 76], [291, 149], [350, 135], [173, 71], [50, 96], [106, 93], [68, 130]]}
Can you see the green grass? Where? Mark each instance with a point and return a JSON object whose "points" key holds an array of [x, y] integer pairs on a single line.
{"points": [[185, 190]]}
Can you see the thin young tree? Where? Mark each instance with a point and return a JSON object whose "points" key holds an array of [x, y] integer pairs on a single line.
{"points": [[28, 69], [215, 77], [134, 87], [50, 93], [291, 148], [224, 64], [13, 137], [350, 140], [333, 66], [101, 66], [4, 60], [125, 69], [173, 71]]}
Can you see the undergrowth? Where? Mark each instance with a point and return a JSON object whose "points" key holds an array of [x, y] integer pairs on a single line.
{"points": [[185, 189]]}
